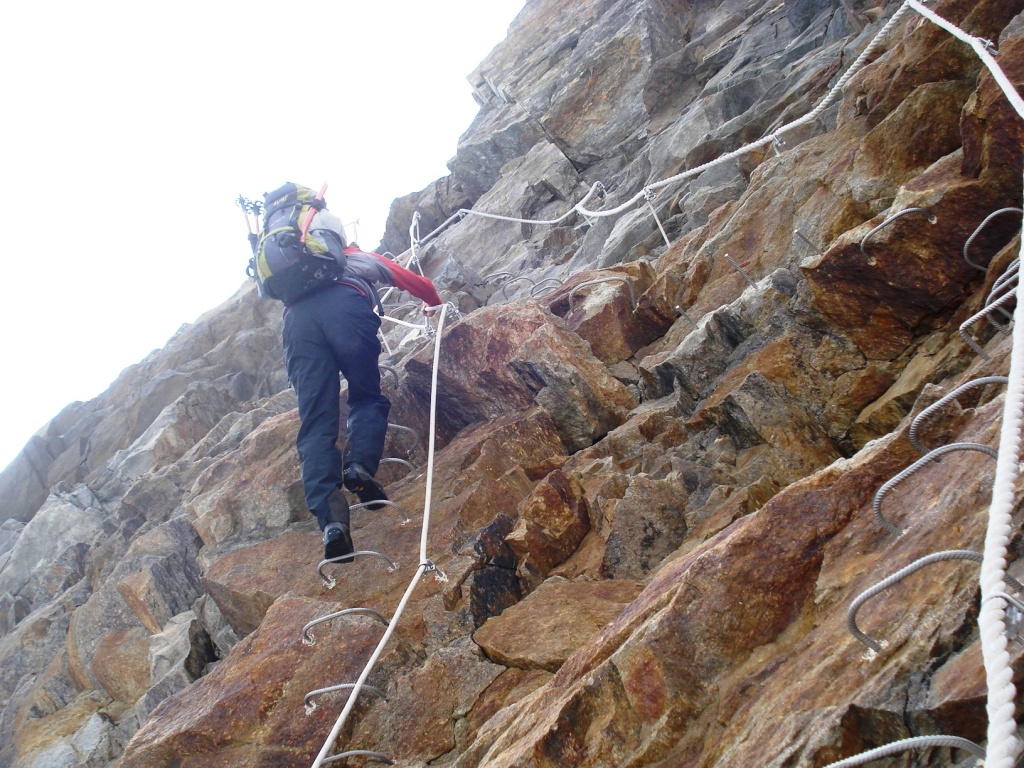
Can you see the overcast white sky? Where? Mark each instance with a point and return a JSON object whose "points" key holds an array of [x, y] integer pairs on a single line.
{"points": [[129, 128]]}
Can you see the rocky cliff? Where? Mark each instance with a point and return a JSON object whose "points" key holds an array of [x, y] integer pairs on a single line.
{"points": [[659, 437]]}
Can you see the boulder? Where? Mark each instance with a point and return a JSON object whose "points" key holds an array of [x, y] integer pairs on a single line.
{"points": [[548, 626]]}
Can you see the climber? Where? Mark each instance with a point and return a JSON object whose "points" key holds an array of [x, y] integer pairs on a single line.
{"points": [[330, 331]]}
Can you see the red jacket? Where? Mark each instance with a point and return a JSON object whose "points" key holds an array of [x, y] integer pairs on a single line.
{"points": [[374, 268]]}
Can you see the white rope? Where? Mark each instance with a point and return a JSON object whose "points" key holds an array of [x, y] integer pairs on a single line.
{"points": [[424, 566], [980, 48], [430, 438], [1002, 726]]}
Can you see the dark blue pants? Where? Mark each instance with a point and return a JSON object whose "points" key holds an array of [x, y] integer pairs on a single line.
{"points": [[334, 331]]}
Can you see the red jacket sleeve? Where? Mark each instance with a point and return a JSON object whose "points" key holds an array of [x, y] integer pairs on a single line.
{"points": [[420, 287]]}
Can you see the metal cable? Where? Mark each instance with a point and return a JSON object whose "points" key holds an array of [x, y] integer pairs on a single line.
{"points": [[916, 466], [811, 116], [1002, 743], [915, 425], [1002, 726]]}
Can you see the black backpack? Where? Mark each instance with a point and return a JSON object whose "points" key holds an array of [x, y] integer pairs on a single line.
{"points": [[288, 264]]}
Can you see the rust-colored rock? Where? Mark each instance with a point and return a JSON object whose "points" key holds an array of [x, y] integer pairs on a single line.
{"points": [[552, 523], [552, 623]]}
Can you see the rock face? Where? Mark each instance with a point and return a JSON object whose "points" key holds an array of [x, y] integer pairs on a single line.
{"points": [[659, 435]]}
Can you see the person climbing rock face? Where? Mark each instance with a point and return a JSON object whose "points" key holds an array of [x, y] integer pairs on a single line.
{"points": [[331, 328]]}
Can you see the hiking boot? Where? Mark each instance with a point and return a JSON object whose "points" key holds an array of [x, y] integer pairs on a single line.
{"points": [[361, 483], [337, 543]]}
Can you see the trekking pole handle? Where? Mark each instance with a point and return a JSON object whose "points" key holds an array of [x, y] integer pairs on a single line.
{"points": [[311, 213]]}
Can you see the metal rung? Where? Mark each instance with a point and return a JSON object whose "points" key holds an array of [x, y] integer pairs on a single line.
{"points": [[916, 742], [739, 269], [375, 756], [307, 637], [543, 286], [891, 219], [977, 232], [917, 465], [329, 581], [1004, 282], [407, 464], [513, 281], [410, 431], [496, 275], [389, 369], [384, 503], [984, 313], [311, 705], [938, 557], [816, 249], [915, 425]]}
